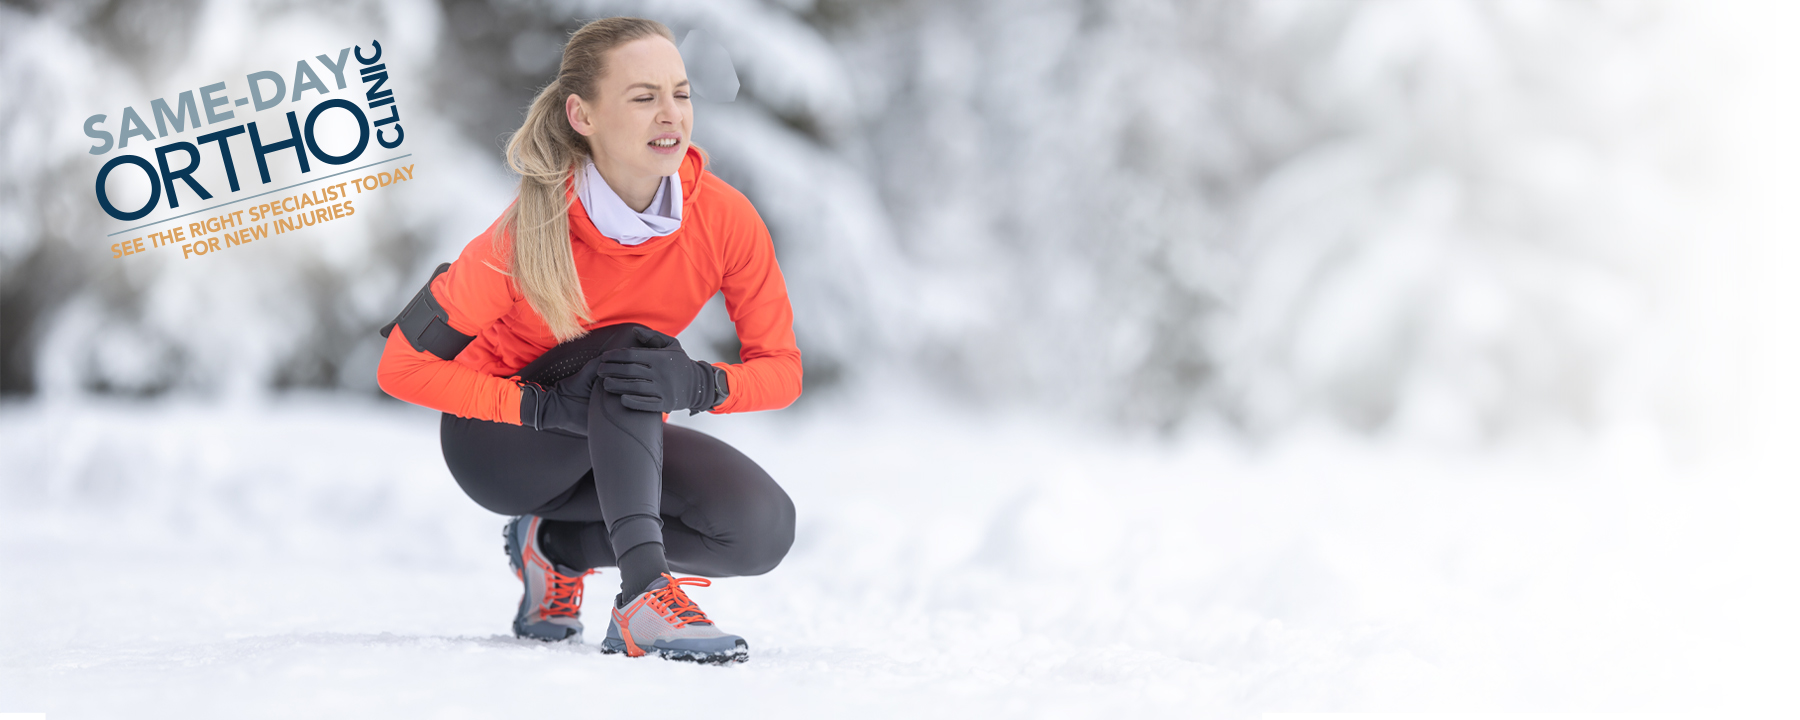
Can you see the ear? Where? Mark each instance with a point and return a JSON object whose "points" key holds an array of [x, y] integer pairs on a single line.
{"points": [[578, 115]]}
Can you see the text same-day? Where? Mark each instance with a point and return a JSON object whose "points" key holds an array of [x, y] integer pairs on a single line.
{"points": [[386, 131]]}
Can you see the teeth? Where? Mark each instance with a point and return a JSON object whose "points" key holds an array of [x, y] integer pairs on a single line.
{"points": [[665, 142]]}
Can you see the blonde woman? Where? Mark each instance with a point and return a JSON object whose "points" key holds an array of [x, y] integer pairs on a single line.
{"points": [[549, 346]]}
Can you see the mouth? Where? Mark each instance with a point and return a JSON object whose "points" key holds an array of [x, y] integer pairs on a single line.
{"points": [[665, 144]]}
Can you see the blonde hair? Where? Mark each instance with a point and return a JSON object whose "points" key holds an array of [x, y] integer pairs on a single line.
{"points": [[545, 152]]}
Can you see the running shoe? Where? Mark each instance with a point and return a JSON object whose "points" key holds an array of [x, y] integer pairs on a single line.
{"points": [[551, 608], [664, 621]]}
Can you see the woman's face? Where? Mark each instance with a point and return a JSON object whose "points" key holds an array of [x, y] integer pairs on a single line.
{"points": [[639, 122]]}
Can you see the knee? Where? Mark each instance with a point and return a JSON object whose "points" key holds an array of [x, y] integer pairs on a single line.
{"points": [[626, 335], [496, 497], [570, 355], [770, 536], [503, 506], [619, 335]]}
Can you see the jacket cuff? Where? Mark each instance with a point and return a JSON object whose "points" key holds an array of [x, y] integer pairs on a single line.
{"points": [[511, 396], [732, 386]]}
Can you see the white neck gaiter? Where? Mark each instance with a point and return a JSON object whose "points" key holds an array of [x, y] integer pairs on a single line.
{"points": [[617, 220]]}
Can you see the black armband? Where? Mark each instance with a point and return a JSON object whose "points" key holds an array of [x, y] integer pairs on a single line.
{"points": [[427, 326]]}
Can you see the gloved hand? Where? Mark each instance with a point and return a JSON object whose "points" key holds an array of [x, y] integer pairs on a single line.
{"points": [[563, 406], [659, 377]]}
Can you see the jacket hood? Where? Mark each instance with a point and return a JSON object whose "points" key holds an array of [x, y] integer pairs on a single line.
{"points": [[582, 227]]}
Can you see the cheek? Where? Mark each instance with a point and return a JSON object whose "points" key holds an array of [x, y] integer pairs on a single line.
{"points": [[619, 123]]}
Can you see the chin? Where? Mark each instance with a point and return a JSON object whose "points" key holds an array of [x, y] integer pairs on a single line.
{"points": [[668, 164]]}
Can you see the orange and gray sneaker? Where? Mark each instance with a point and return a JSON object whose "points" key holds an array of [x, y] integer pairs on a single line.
{"points": [[662, 620], [551, 608]]}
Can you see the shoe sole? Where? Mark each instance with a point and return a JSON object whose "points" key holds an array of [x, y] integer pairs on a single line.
{"points": [[741, 653]]}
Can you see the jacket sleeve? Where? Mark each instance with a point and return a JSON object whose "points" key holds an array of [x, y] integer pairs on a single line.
{"points": [[474, 293], [756, 298]]}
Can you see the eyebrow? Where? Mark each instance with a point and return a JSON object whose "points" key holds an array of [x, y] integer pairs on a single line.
{"points": [[652, 86]]}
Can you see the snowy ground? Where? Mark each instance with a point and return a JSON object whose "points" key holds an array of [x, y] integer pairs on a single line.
{"points": [[313, 559]]}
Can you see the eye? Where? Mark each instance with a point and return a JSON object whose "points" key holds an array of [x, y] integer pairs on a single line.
{"points": [[644, 99]]}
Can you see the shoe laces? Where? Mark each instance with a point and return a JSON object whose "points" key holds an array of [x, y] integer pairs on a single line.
{"points": [[562, 593], [674, 603]]}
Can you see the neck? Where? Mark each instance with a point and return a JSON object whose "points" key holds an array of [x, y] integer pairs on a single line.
{"points": [[636, 190]]}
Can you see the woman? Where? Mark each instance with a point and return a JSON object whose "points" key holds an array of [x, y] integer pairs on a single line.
{"points": [[549, 346]]}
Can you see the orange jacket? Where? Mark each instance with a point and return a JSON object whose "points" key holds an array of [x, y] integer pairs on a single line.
{"points": [[722, 245]]}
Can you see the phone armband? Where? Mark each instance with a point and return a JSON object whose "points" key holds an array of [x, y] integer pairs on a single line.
{"points": [[427, 326]]}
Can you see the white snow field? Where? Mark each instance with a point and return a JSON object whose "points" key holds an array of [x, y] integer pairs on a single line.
{"points": [[313, 559]]}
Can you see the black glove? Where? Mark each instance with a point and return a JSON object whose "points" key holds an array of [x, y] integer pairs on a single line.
{"points": [[660, 377], [563, 406]]}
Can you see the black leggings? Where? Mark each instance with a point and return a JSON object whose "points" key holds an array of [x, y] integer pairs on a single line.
{"points": [[716, 512]]}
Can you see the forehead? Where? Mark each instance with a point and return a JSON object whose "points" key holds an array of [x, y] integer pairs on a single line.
{"points": [[651, 60]]}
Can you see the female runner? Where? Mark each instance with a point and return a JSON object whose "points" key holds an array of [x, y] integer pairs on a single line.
{"points": [[549, 346]]}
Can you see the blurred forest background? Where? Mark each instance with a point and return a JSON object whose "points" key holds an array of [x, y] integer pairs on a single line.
{"points": [[1398, 355], [1463, 221]]}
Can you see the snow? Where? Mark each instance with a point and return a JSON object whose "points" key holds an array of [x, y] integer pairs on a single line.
{"points": [[310, 557]]}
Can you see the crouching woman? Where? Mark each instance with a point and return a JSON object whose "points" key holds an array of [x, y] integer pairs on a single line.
{"points": [[549, 346]]}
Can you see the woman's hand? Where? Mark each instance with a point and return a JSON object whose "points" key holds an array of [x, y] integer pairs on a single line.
{"points": [[659, 377], [563, 406]]}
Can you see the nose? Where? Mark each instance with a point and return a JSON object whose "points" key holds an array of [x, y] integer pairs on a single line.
{"points": [[668, 110]]}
